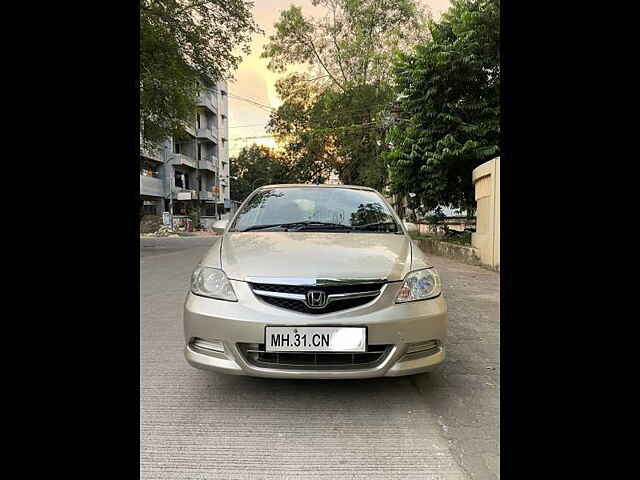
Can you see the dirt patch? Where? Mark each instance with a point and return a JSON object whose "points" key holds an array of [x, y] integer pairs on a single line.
{"points": [[150, 223]]}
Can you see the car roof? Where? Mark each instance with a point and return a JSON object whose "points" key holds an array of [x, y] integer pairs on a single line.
{"points": [[311, 185]]}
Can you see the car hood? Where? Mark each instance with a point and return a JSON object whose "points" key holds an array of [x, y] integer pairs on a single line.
{"points": [[315, 255]]}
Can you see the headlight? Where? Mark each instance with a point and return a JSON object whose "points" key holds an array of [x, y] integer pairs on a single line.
{"points": [[420, 285], [212, 283]]}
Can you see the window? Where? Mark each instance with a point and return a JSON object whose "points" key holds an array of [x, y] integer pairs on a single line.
{"points": [[149, 172], [198, 120], [199, 151], [176, 148], [149, 169], [209, 210], [182, 181]]}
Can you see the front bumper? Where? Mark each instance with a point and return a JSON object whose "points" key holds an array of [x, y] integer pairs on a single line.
{"points": [[388, 323]]}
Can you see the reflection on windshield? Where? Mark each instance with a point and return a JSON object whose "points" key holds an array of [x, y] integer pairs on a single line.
{"points": [[307, 208], [368, 214]]}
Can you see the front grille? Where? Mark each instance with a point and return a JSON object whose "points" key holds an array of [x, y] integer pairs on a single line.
{"points": [[255, 354], [328, 289], [300, 306]]}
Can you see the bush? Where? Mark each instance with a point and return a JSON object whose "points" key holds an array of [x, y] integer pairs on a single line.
{"points": [[461, 238]]}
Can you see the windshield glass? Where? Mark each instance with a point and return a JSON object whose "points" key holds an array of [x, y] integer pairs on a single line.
{"points": [[308, 208]]}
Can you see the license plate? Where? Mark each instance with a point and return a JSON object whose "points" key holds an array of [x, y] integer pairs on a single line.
{"points": [[315, 339]]}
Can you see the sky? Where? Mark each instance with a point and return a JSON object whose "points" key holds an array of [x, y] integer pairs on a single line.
{"points": [[254, 81]]}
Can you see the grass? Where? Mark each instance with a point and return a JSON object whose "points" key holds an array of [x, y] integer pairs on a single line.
{"points": [[463, 238], [418, 236]]}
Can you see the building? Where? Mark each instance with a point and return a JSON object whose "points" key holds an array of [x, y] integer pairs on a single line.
{"points": [[191, 168]]}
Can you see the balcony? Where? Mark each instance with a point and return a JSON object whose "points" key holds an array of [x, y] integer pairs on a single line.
{"points": [[184, 194], [210, 133], [206, 195], [209, 101], [181, 159], [152, 186], [207, 164], [189, 127]]}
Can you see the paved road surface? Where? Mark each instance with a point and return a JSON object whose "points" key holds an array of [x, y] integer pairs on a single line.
{"points": [[202, 425]]}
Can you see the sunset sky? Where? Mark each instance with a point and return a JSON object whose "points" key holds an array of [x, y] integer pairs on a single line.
{"points": [[253, 80]]}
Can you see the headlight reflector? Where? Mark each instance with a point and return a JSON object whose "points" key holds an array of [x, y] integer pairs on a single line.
{"points": [[212, 283], [420, 285]]}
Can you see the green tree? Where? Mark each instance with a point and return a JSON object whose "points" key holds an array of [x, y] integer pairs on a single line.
{"points": [[334, 121], [449, 107], [255, 166], [183, 42]]}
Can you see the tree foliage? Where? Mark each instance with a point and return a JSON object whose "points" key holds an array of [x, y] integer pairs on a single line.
{"points": [[182, 42], [351, 44], [255, 166], [448, 107], [332, 116], [309, 154]]}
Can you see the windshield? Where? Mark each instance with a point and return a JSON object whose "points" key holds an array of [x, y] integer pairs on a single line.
{"points": [[318, 209]]}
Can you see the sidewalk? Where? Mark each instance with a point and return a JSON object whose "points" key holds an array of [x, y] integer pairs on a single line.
{"points": [[464, 393], [181, 234]]}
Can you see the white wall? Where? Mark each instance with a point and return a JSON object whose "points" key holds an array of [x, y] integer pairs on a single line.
{"points": [[486, 180]]}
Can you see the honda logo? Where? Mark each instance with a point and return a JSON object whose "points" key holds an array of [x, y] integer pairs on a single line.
{"points": [[316, 299]]}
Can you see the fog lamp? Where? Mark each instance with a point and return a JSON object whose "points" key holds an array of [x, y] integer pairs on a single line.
{"points": [[422, 346], [211, 345]]}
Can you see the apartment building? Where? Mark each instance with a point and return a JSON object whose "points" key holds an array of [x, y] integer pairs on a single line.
{"points": [[191, 168]]}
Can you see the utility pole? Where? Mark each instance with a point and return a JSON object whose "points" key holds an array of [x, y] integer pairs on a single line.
{"points": [[195, 152], [171, 182]]}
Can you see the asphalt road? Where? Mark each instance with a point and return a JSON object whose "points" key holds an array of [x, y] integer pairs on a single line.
{"points": [[203, 425]]}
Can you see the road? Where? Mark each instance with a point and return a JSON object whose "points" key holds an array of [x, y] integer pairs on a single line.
{"points": [[203, 425]]}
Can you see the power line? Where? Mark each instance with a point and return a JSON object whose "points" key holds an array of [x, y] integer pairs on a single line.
{"points": [[328, 130], [246, 126], [250, 100], [271, 109], [252, 138], [255, 102]]}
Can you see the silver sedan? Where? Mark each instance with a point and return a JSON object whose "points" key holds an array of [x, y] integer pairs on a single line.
{"points": [[315, 281]]}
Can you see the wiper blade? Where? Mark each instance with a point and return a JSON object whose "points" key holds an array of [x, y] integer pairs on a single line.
{"points": [[370, 226], [301, 225], [328, 225], [273, 225]]}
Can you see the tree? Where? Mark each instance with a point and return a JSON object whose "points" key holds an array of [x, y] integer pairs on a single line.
{"points": [[334, 121], [310, 155], [183, 42], [255, 166], [448, 108]]}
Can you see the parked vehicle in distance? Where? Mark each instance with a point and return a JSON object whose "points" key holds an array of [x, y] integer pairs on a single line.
{"points": [[315, 281]]}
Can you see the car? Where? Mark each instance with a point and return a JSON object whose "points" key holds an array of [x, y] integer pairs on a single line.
{"points": [[315, 282]]}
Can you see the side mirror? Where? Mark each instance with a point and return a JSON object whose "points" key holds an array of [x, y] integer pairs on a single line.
{"points": [[220, 225]]}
